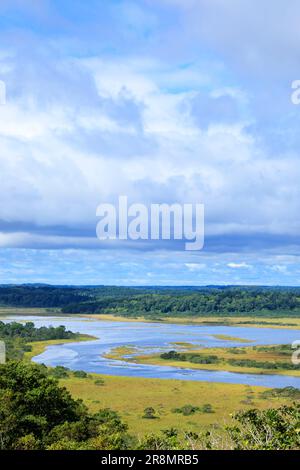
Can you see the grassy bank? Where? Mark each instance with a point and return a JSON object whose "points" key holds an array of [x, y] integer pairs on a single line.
{"points": [[260, 355], [247, 321], [37, 347]]}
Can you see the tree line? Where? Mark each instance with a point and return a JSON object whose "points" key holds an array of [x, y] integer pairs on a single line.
{"points": [[156, 302]]}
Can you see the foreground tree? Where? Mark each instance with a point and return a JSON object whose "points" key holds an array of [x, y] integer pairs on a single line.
{"points": [[36, 413], [272, 429]]}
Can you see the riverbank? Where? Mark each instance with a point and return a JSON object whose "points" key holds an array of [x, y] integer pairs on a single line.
{"points": [[224, 357], [263, 322], [38, 347], [246, 321]]}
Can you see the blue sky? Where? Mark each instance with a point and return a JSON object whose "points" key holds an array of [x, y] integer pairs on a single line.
{"points": [[162, 101]]}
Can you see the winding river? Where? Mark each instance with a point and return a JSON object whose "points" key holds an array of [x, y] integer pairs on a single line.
{"points": [[156, 337]]}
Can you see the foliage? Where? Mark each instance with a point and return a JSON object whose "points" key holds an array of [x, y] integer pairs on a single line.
{"points": [[157, 302], [149, 413], [191, 357], [35, 413], [262, 364], [286, 392], [17, 335], [59, 372], [188, 410], [80, 374], [99, 382], [272, 429]]}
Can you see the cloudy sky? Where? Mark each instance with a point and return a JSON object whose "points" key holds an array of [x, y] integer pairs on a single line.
{"points": [[162, 101]]}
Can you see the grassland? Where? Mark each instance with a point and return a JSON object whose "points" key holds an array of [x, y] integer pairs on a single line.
{"points": [[232, 338], [130, 396], [282, 322]]}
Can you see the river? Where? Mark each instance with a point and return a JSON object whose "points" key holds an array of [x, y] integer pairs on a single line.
{"points": [[156, 337]]}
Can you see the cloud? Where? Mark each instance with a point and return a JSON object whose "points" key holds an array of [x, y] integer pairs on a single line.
{"points": [[109, 99], [239, 265]]}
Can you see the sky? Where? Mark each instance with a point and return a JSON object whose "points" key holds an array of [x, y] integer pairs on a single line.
{"points": [[164, 101]]}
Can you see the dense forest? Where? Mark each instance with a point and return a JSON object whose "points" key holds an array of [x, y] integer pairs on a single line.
{"points": [[156, 301]]}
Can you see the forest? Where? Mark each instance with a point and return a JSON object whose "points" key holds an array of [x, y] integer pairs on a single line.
{"points": [[156, 301]]}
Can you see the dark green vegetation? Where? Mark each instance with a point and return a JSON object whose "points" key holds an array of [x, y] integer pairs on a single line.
{"points": [[286, 392], [200, 358], [17, 336], [157, 302], [272, 429], [188, 410], [262, 364], [149, 413], [35, 413], [191, 357]]}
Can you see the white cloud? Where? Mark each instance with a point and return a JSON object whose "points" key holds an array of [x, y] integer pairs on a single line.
{"points": [[78, 132], [239, 265]]}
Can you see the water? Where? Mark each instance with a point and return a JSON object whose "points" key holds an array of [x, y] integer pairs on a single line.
{"points": [[156, 337]]}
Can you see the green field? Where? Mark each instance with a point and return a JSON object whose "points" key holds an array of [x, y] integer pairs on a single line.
{"points": [[130, 396]]}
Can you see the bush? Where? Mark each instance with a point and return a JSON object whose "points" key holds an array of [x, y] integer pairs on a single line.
{"points": [[186, 410], [286, 392], [272, 429], [99, 382], [59, 372], [80, 374], [149, 413], [207, 408]]}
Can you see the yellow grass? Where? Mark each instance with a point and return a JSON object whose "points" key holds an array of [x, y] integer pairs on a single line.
{"points": [[284, 322], [120, 352], [183, 344], [130, 396], [232, 338]]}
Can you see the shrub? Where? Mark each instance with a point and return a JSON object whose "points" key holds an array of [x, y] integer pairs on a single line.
{"points": [[272, 429], [99, 382], [80, 374], [186, 410], [207, 408], [149, 413], [59, 372]]}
